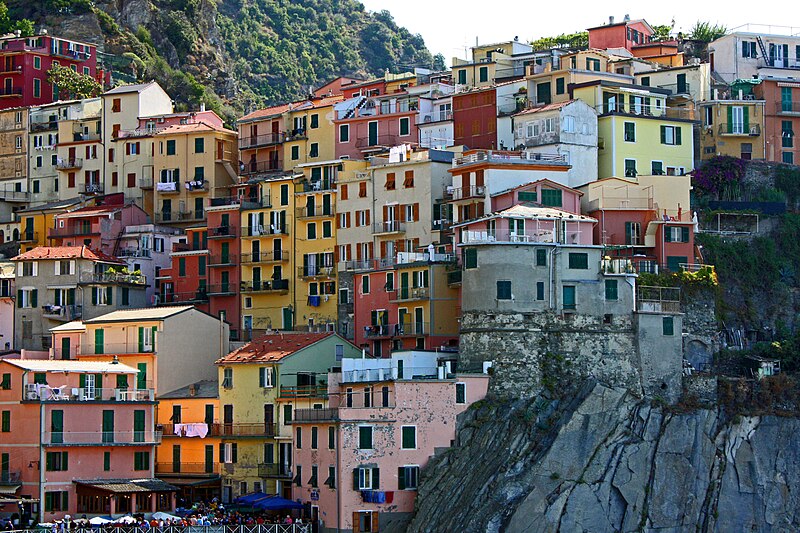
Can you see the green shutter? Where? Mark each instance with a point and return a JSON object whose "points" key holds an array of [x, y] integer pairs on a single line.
{"points": [[64, 461], [668, 325], [82, 381], [34, 298], [98, 341], [98, 383], [376, 478], [612, 289], [684, 234], [678, 135], [141, 340], [6, 421], [663, 135], [70, 296], [355, 479], [94, 295], [153, 338], [401, 478], [141, 377], [106, 461], [729, 128], [471, 258], [109, 295], [746, 114], [667, 234], [57, 426], [19, 298], [138, 425]]}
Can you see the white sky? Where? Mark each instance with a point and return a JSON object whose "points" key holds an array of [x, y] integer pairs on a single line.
{"points": [[451, 26]]}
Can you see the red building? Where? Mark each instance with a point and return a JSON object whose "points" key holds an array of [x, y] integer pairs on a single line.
{"points": [[25, 62], [475, 118], [186, 281], [224, 258], [781, 118], [98, 227], [626, 34]]}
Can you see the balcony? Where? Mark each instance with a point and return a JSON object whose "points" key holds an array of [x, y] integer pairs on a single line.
{"points": [[113, 278], [274, 470], [739, 130], [787, 108], [172, 298], [180, 216], [223, 232], [379, 331], [472, 191], [315, 211], [264, 231], [658, 299], [148, 437], [365, 264], [217, 289], [441, 225], [73, 231], [134, 252], [222, 260], [43, 125], [316, 185], [10, 92], [454, 278], [376, 142], [315, 271], [169, 430], [677, 88], [111, 348], [772, 62], [29, 236], [8, 478], [412, 329], [92, 188], [79, 136], [62, 313], [261, 167], [14, 196], [543, 235], [256, 141], [167, 187], [248, 430], [146, 183], [69, 164], [279, 256], [315, 415], [36, 392], [188, 468], [72, 55], [509, 158], [641, 110], [304, 391], [389, 226], [414, 293], [278, 286]]}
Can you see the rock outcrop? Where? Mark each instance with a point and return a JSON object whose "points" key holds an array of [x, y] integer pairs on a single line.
{"points": [[605, 460]]}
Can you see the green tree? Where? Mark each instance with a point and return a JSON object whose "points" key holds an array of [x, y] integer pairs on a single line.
{"points": [[662, 33], [7, 25], [73, 85], [439, 63], [565, 40], [706, 32]]}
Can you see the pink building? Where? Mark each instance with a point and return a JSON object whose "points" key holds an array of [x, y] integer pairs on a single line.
{"points": [[357, 463], [98, 227], [78, 438]]}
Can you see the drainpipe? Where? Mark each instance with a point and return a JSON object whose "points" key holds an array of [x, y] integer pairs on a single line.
{"points": [[340, 486], [41, 460]]}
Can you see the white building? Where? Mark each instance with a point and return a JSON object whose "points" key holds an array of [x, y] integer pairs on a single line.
{"points": [[745, 54], [147, 248]]}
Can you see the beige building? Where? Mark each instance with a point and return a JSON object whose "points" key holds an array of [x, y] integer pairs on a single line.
{"points": [[193, 163], [733, 127], [42, 155], [79, 152], [492, 63], [13, 150]]}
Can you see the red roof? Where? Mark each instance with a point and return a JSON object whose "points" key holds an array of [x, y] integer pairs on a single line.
{"points": [[292, 106], [271, 348], [66, 252], [547, 107], [193, 127]]}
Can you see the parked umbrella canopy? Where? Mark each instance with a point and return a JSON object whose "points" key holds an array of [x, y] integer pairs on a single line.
{"points": [[250, 498], [274, 503]]}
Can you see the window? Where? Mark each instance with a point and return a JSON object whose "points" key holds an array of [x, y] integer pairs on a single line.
{"points": [[311, 230], [37, 88], [405, 127], [408, 180], [344, 133], [630, 132], [266, 377], [560, 86], [667, 326], [612, 289], [116, 105], [56, 501], [27, 298], [365, 437], [327, 229], [579, 261], [30, 268], [5, 384], [787, 157], [407, 477], [592, 64], [227, 378], [287, 414], [527, 196], [483, 74], [787, 134], [298, 440], [331, 437], [5, 422], [295, 153], [37, 62], [106, 461], [409, 437], [141, 460], [314, 121], [569, 124], [461, 393], [56, 462], [504, 290], [540, 290], [630, 168], [541, 257], [671, 135], [551, 197], [471, 258], [331, 480], [314, 150], [365, 478], [568, 295], [657, 168], [462, 77], [171, 147], [365, 284], [390, 181], [749, 49], [676, 234], [314, 437]]}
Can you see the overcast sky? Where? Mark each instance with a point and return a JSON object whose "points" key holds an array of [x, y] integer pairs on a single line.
{"points": [[451, 26]]}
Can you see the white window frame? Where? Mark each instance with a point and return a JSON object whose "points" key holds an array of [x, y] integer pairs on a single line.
{"points": [[364, 478], [409, 209], [25, 293], [227, 450], [400, 126], [361, 218], [371, 436], [343, 252], [569, 124], [549, 125]]}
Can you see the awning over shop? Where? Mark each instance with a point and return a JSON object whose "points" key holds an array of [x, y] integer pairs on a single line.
{"points": [[126, 485]]}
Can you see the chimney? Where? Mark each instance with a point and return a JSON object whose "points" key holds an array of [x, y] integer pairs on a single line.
{"points": [[611, 19], [192, 390], [626, 18], [202, 107]]}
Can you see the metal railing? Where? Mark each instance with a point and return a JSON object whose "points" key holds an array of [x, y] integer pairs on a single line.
{"points": [[169, 430], [677, 88], [69, 164], [188, 468], [264, 139], [658, 299], [376, 141], [180, 216], [315, 415], [10, 478], [256, 167], [134, 252], [472, 191], [316, 185], [62, 312], [248, 430], [413, 293], [504, 235], [145, 438], [217, 289], [14, 196], [304, 391], [508, 158], [270, 256], [171, 298], [787, 107], [92, 188], [36, 392], [390, 226], [29, 236], [737, 128], [278, 285], [266, 230], [273, 470], [140, 132], [109, 348], [113, 277], [74, 231], [223, 232], [315, 211], [79, 136], [218, 260], [309, 271], [619, 108]]}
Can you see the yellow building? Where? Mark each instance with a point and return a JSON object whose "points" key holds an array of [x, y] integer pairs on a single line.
{"points": [[188, 455], [193, 163], [315, 245], [261, 384], [267, 248], [13, 153], [34, 222], [491, 63], [80, 154], [310, 134], [732, 127], [637, 132]]}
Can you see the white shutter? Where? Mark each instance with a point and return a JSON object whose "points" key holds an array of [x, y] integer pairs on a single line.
{"points": [[19, 269], [57, 268], [72, 268], [35, 268]]}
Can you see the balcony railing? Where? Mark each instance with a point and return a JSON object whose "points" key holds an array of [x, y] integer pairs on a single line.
{"points": [[316, 415], [385, 331], [618, 108], [278, 285], [140, 132], [10, 92], [376, 141], [317, 185], [29, 236], [258, 167], [113, 277], [92, 188], [316, 211], [218, 289], [677, 88], [180, 216], [14, 196], [274, 470], [74, 231], [787, 107], [248, 430], [80, 136], [69, 164], [215, 260], [544, 235], [308, 271], [147, 437], [172, 298], [10, 478], [223, 232], [188, 468], [37, 392], [44, 125], [658, 299], [472, 191], [134, 252], [304, 391], [109, 348], [739, 129], [180, 430], [63, 313], [413, 293], [389, 226], [266, 257], [259, 231], [265, 139], [508, 158]]}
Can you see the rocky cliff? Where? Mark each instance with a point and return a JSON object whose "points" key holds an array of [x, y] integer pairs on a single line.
{"points": [[605, 460]]}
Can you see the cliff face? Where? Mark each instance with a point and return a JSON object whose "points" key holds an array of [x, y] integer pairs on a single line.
{"points": [[606, 461]]}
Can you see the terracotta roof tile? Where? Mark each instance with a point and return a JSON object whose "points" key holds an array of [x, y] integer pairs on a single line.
{"points": [[270, 348], [291, 106], [194, 127], [66, 252], [547, 107]]}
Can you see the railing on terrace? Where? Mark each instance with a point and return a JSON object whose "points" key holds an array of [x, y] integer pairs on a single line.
{"points": [[265, 139], [266, 230], [10, 92], [621, 202], [180, 429], [309, 271], [134, 252], [316, 211], [270, 256], [787, 107], [223, 232], [113, 277], [171, 298], [264, 528], [14, 196], [74, 231], [257, 167], [658, 299], [29, 236], [677, 88], [10, 478], [110, 348], [412, 293], [43, 125], [79, 136], [62, 312], [216, 260], [505, 235], [248, 430], [618, 108], [139, 132], [472, 191], [304, 391], [69, 164], [316, 185], [389, 226], [315, 415], [787, 62], [508, 158], [378, 331], [180, 216], [187, 468], [92, 188], [38, 392], [146, 437], [378, 141], [736, 128], [617, 266], [278, 285], [274, 470], [218, 289]]}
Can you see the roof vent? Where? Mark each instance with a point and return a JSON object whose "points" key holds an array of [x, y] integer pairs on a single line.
{"points": [[192, 390], [115, 360]]}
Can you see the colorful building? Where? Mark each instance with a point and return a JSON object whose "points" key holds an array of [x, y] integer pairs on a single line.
{"points": [[256, 449], [733, 126], [188, 455], [34, 222], [7, 294], [754, 54], [185, 281], [358, 461], [492, 63], [224, 260], [80, 157], [27, 61], [13, 150], [628, 34], [98, 227], [146, 248], [782, 118], [74, 446], [311, 137]]}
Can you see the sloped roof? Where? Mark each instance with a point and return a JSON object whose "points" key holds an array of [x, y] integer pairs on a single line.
{"points": [[540, 180], [144, 313], [75, 325], [58, 204], [528, 211], [547, 107], [202, 389], [194, 127], [291, 106], [91, 210], [61, 365], [66, 252], [127, 485], [134, 88], [272, 348]]}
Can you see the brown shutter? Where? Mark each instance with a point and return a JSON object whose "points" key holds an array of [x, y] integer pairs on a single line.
{"points": [[358, 253], [400, 245], [138, 146], [402, 214], [355, 520], [114, 179], [375, 521], [335, 254], [367, 217], [127, 148], [479, 178], [370, 250], [71, 179], [383, 249], [347, 249], [339, 220], [348, 220], [343, 192], [362, 189], [415, 212]]}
